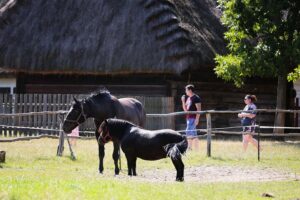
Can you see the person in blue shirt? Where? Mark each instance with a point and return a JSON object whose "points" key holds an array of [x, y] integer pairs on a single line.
{"points": [[248, 121], [191, 102]]}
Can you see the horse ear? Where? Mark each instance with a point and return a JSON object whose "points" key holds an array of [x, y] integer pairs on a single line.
{"points": [[76, 101], [105, 121]]}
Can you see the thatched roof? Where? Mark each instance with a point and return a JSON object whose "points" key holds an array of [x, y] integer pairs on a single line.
{"points": [[109, 36]]}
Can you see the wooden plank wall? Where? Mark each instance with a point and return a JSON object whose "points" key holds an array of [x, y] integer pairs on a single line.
{"points": [[23, 103]]}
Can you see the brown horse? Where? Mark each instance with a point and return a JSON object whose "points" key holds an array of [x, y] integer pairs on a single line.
{"points": [[102, 106]]}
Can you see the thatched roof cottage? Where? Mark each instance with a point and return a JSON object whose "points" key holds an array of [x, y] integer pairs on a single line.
{"points": [[135, 47]]}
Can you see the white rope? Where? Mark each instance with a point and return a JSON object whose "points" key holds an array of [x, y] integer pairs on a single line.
{"points": [[180, 131], [160, 115], [279, 127], [232, 127], [33, 113]]}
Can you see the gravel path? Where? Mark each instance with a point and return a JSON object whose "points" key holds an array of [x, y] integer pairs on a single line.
{"points": [[206, 174]]}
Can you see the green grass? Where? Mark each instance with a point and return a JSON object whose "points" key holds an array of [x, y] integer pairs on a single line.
{"points": [[32, 171]]}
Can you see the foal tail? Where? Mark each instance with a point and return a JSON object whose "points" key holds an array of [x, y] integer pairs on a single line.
{"points": [[175, 150]]}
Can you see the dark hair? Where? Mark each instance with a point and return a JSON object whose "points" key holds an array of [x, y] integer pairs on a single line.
{"points": [[251, 96], [190, 87]]}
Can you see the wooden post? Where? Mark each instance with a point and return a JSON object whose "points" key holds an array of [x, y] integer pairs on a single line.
{"points": [[281, 102], [296, 114], [2, 156], [73, 157], [60, 147], [258, 146], [258, 138], [62, 135], [208, 124]]}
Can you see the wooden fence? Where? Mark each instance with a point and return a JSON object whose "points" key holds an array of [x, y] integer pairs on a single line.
{"points": [[49, 123]]}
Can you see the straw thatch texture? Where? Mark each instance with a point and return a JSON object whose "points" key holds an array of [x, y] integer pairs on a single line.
{"points": [[108, 36]]}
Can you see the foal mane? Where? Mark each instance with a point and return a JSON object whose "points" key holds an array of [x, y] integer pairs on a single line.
{"points": [[118, 125]]}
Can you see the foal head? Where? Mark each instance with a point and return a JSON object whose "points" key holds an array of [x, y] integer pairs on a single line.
{"points": [[75, 116], [104, 133], [113, 129]]}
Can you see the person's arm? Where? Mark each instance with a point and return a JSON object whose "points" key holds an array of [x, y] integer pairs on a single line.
{"points": [[198, 106], [249, 115], [183, 103]]}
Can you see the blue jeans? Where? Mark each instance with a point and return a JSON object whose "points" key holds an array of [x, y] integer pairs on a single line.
{"points": [[190, 127]]}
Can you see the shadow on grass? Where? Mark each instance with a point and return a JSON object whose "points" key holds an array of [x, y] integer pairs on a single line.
{"points": [[218, 158], [44, 158], [288, 144]]}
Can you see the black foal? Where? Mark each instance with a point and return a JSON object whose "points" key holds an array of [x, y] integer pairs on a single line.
{"points": [[145, 144]]}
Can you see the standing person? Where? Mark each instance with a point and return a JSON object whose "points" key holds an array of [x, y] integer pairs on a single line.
{"points": [[248, 121], [191, 102]]}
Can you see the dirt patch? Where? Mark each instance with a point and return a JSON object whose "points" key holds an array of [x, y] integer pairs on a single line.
{"points": [[208, 173]]}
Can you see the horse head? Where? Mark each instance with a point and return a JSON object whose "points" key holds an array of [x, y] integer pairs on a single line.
{"points": [[75, 116], [104, 133]]}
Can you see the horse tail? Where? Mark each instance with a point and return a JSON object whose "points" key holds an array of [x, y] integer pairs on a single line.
{"points": [[175, 150], [141, 114]]}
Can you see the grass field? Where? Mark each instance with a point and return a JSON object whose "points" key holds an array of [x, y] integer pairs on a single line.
{"points": [[32, 171]]}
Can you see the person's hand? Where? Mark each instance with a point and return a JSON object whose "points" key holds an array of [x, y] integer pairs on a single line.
{"points": [[240, 115], [183, 98]]}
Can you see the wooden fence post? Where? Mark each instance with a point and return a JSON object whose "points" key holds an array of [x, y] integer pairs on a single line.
{"points": [[60, 147], [208, 124]]}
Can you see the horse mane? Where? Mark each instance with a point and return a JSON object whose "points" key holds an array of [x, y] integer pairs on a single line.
{"points": [[100, 93]]}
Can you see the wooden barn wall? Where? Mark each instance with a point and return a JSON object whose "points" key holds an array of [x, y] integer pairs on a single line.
{"points": [[215, 94]]}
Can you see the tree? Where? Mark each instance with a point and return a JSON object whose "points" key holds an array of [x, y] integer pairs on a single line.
{"points": [[263, 41]]}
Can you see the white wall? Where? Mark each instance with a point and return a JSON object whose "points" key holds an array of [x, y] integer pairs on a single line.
{"points": [[8, 83]]}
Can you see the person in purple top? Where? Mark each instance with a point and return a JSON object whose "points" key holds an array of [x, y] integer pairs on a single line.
{"points": [[248, 121], [191, 102]]}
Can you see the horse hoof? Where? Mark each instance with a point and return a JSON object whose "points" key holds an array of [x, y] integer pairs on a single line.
{"points": [[181, 179]]}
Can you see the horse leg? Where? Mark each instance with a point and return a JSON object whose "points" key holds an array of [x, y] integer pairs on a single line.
{"points": [[101, 157], [177, 162], [100, 146], [116, 156]]}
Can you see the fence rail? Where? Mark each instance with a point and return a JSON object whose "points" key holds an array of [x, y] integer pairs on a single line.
{"points": [[37, 114], [149, 116]]}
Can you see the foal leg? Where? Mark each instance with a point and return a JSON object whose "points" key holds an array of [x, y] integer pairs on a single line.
{"points": [[134, 166], [177, 162], [131, 164], [116, 157]]}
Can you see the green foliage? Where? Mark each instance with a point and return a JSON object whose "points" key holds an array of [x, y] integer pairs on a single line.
{"points": [[263, 39], [295, 74]]}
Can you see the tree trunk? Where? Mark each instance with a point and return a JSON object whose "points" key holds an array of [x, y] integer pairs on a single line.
{"points": [[281, 102]]}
